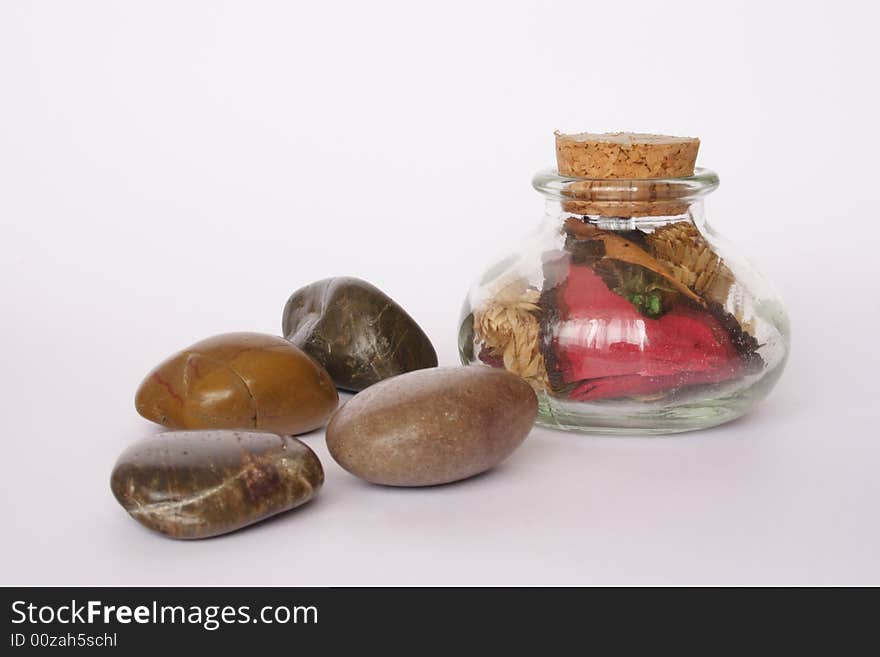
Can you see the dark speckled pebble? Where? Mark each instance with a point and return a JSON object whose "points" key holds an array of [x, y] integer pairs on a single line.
{"points": [[356, 332], [196, 484]]}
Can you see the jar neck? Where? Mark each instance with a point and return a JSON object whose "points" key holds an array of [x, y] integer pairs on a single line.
{"points": [[626, 203], [693, 212]]}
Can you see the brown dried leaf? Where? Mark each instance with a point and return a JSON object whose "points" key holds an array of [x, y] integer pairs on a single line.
{"points": [[620, 248]]}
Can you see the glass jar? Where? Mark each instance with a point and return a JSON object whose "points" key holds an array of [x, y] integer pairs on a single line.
{"points": [[626, 312]]}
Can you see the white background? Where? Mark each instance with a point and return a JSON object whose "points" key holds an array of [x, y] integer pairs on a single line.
{"points": [[173, 170]]}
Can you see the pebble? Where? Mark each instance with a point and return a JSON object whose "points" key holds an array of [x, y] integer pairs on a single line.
{"points": [[239, 381], [196, 484], [359, 334], [432, 426]]}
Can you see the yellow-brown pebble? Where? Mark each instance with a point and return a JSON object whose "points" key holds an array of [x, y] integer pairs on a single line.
{"points": [[239, 381]]}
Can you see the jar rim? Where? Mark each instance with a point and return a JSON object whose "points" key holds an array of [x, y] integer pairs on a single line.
{"points": [[683, 189]]}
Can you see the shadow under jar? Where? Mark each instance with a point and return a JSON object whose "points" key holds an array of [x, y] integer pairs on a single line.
{"points": [[627, 313]]}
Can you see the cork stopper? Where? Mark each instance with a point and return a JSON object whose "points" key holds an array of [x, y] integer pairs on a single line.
{"points": [[637, 158], [625, 155]]}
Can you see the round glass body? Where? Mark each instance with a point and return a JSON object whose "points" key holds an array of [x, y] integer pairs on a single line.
{"points": [[627, 313]]}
